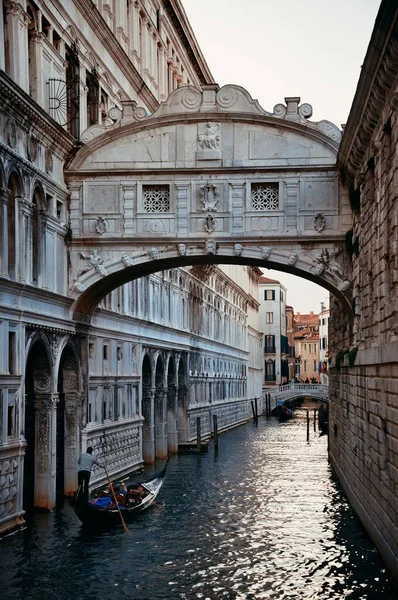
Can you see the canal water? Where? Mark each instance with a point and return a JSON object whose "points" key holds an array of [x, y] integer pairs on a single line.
{"points": [[262, 517]]}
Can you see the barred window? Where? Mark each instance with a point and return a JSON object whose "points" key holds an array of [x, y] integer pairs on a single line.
{"points": [[265, 196], [156, 198]]}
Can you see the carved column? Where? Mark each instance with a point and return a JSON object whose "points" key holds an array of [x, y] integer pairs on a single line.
{"points": [[25, 256], [238, 202], [183, 425], [291, 211], [161, 422], [17, 40], [182, 207], [172, 411], [148, 411], [73, 422], [162, 74], [4, 193], [45, 450], [2, 38], [130, 221], [36, 85]]}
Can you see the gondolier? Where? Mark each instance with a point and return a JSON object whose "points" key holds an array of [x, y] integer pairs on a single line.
{"points": [[86, 462]]}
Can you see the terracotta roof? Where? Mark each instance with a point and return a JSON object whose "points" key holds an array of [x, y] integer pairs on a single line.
{"points": [[264, 279]]}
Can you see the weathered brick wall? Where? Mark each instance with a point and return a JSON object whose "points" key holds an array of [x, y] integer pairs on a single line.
{"points": [[364, 394]]}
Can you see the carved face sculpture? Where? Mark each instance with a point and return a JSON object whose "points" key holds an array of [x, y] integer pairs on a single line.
{"points": [[211, 247], [265, 252], [182, 249], [238, 249]]}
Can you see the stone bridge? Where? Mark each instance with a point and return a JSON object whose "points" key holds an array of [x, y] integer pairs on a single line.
{"points": [[211, 177], [293, 391]]}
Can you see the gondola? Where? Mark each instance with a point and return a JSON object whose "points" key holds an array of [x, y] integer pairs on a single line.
{"points": [[94, 513]]}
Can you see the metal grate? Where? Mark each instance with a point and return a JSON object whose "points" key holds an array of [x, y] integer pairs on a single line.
{"points": [[265, 196]]}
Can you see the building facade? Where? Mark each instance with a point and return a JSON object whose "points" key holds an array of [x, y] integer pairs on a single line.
{"points": [[161, 350], [273, 323]]}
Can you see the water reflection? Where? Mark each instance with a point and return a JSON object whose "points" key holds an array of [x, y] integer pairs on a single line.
{"points": [[261, 518]]}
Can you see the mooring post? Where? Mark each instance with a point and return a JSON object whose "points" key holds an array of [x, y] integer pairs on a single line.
{"points": [[198, 436], [314, 419], [269, 406], [215, 427], [256, 407], [253, 410], [308, 424]]}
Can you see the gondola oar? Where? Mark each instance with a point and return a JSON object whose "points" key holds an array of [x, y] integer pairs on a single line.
{"points": [[116, 502]]}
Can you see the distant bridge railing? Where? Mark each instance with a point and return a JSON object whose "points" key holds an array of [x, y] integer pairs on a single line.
{"points": [[290, 391]]}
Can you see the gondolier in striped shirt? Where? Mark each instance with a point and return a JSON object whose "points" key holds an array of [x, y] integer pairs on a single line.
{"points": [[86, 462]]}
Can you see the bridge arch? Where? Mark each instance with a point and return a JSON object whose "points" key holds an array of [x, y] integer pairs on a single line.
{"points": [[209, 178]]}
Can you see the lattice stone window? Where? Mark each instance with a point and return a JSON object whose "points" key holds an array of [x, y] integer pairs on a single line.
{"points": [[265, 196], [156, 198]]}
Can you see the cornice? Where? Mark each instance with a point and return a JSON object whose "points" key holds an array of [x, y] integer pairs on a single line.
{"points": [[110, 43], [181, 24], [378, 74], [29, 115]]}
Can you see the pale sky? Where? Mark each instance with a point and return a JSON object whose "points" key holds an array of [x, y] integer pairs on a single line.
{"points": [[313, 49]]}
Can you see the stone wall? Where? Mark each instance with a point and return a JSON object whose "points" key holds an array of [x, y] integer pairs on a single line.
{"points": [[364, 367]]}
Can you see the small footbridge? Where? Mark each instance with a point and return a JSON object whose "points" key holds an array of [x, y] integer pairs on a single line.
{"points": [[296, 391]]}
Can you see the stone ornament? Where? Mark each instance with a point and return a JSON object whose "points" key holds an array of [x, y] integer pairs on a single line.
{"points": [[127, 260], [292, 260], [265, 252], [32, 148], [209, 197], [102, 225], [48, 160], [238, 248], [211, 247], [210, 223], [79, 287], [11, 133], [210, 138], [182, 249], [153, 253], [319, 222], [344, 286], [95, 261]]}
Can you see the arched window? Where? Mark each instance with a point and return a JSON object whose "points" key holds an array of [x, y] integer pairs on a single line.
{"points": [[14, 186]]}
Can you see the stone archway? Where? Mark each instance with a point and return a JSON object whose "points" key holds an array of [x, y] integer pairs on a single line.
{"points": [[160, 409]]}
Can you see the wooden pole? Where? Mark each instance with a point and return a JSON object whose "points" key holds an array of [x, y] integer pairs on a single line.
{"points": [[215, 428], [254, 412], [308, 424], [116, 502], [198, 436], [256, 408], [269, 406], [314, 419]]}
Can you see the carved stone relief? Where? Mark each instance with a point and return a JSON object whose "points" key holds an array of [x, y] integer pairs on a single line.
{"points": [[211, 247], [102, 225], [32, 148], [95, 261], [209, 197], [265, 252], [319, 222], [209, 223], [11, 133]]}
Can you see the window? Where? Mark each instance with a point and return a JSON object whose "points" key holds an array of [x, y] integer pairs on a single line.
{"points": [[324, 343], [305, 366], [10, 421], [269, 294], [315, 366], [105, 353], [12, 354], [73, 88], [92, 97], [269, 317], [265, 196], [309, 348], [305, 346], [156, 198], [314, 348], [269, 368], [269, 344], [281, 296]]}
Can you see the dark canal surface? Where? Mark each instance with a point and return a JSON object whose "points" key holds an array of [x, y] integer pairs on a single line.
{"points": [[261, 518]]}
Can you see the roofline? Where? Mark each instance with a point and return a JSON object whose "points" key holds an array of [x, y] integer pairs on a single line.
{"points": [[183, 27]]}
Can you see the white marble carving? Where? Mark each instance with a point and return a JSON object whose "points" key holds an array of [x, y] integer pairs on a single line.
{"points": [[209, 223], [265, 252], [292, 260], [209, 197], [211, 247], [102, 225], [319, 222], [344, 286], [210, 138], [95, 261], [182, 249], [153, 253], [127, 260], [238, 248]]}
